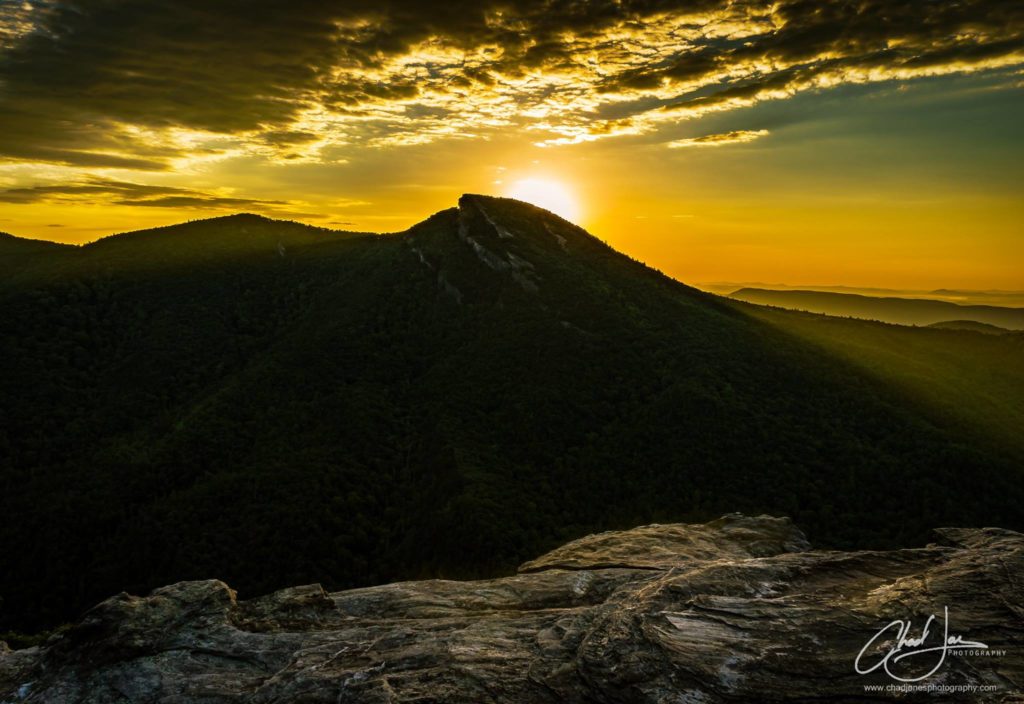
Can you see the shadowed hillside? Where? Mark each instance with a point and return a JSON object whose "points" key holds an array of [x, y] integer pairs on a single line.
{"points": [[272, 404]]}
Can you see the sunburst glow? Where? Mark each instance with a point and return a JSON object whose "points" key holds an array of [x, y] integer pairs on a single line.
{"points": [[548, 194]]}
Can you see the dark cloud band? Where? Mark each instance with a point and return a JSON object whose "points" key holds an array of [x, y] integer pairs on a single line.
{"points": [[112, 83], [127, 193]]}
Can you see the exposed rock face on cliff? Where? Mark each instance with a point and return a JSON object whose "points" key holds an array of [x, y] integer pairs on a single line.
{"points": [[739, 609]]}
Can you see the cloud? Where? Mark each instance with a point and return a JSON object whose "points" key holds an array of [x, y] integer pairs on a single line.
{"points": [[199, 201], [91, 188], [112, 192], [151, 84], [717, 140]]}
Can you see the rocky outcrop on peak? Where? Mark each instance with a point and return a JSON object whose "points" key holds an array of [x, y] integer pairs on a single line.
{"points": [[737, 610]]}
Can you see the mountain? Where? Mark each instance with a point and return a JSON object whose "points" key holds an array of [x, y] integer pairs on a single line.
{"points": [[994, 297], [19, 258], [1005, 299], [901, 311], [271, 404], [969, 325], [740, 609], [11, 246]]}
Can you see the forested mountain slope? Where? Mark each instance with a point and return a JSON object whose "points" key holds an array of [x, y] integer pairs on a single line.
{"points": [[272, 404]]}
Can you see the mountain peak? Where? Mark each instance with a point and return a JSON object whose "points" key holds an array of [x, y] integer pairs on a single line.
{"points": [[520, 207], [488, 246], [226, 235], [509, 219]]}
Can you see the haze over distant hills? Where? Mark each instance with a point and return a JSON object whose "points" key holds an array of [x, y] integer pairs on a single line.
{"points": [[901, 311], [1005, 299], [274, 404]]}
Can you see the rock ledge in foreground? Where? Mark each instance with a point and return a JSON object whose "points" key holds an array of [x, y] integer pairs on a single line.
{"points": [[739, 609]]}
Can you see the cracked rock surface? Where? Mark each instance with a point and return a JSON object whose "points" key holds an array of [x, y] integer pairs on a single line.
{"points": [[739, 609]]}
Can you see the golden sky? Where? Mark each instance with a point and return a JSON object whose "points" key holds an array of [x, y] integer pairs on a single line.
{"points": [[872, 143]]}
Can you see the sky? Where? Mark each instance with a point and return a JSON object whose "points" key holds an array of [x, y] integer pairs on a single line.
{"points": [[807, 142]]}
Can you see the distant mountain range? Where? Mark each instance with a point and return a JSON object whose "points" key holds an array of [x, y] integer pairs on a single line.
{"points": [[274, 404], [969, 325], [901, 311], [994, 297]]}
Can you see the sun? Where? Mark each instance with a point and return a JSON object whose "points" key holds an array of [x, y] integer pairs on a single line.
{"points": [[548, 194]]}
